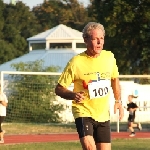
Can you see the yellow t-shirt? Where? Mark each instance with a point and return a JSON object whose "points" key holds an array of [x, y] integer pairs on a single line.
{"points": [[93, 76]]}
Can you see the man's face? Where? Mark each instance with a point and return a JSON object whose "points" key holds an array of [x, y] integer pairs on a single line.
{"points": [[95, 42]]}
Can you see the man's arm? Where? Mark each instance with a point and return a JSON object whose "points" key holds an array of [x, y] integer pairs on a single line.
{"points": [[64, 92], [69, 95], [117, 95], [135, 107], [3, 103], [116, 88]]}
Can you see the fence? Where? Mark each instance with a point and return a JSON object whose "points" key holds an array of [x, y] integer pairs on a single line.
{"points": [[28, 93]]}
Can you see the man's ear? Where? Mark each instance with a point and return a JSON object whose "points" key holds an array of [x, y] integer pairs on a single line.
{"points": [[85, 40]]}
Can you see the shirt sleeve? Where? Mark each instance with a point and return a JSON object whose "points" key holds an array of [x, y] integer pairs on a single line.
{"points": [[4, 98], [67, 76], [135, 105]]}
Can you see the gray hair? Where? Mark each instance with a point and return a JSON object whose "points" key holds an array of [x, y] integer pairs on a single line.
{"points": [[86, 32]]}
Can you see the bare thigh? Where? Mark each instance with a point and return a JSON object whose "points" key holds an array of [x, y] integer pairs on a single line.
{"points": [[88, 143], [103, 146]]}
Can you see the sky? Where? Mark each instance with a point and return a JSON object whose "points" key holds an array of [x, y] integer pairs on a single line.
{"points": [[32, 3]]}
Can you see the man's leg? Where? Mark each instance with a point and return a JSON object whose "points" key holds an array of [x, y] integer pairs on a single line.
{"points": [[84, 127], [2, 137], [103, 146], [102, 136], [131, 128], [88, 143], [1, 131]]}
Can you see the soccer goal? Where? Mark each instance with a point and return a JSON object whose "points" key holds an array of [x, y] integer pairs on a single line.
{"points": [[32, 98]]}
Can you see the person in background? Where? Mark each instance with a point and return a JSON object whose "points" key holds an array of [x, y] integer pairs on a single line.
{"points": [[93, 72], [132, 107], [3, 105]]}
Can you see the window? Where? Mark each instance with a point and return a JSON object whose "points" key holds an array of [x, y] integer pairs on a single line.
{"points": [[60, 45], [80, 45], [38, 46]]}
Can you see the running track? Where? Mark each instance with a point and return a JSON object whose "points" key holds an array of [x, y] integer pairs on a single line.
{"points": [[16, 139]]}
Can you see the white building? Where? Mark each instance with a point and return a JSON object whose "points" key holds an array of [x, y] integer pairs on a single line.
{"points": [[55, 47]]}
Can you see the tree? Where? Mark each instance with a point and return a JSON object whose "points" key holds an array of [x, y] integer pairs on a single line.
{"points": [[19, 24], [7, 51], [79, 14], [67, 12], [31, 97], [1, 19], [127, 25]]}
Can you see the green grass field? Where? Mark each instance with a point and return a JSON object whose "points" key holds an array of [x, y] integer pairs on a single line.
{"points": [[30, 128], [21, 128], [118, 144]]}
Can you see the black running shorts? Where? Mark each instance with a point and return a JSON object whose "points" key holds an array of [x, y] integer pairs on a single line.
{"points": [[131, 118], [99, 130]]}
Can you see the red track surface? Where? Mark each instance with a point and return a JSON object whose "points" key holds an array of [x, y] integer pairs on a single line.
{"points": [[16, 139]]}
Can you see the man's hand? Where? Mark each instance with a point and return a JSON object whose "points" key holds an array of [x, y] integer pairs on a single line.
{"points": [[121, 111], [78, 97]]}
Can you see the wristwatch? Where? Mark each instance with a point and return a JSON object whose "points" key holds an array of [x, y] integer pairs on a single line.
{"points": [[118, 101]]}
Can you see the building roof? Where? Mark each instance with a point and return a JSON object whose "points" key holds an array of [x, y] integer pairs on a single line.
{"points": [[49, 57], [59, 32]]}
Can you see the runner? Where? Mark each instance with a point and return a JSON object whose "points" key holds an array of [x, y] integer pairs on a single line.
{"points": [[3, 105], [93, 73], [132, 107]]}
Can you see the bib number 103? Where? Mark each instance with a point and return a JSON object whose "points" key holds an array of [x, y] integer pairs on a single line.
{"points": [[97, 90]]}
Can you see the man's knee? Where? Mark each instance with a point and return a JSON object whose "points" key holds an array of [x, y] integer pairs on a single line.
{"points": [[88, 143]]}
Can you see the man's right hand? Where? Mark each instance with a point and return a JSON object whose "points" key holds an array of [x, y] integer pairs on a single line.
{"points": [[79, 96]]}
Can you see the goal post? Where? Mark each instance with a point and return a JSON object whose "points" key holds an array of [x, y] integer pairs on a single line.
{"points": [[31, 95]]}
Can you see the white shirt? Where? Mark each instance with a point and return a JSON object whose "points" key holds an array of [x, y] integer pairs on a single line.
{"points": [[2, 107]]}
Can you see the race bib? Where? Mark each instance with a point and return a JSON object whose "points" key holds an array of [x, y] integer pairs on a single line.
{"points": [[99, 89]]}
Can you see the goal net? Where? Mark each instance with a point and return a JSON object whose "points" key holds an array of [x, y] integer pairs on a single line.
{"points": [[32, 98]]}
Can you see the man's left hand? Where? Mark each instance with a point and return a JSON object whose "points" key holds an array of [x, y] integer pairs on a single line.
{"points": [[121, 111]]}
